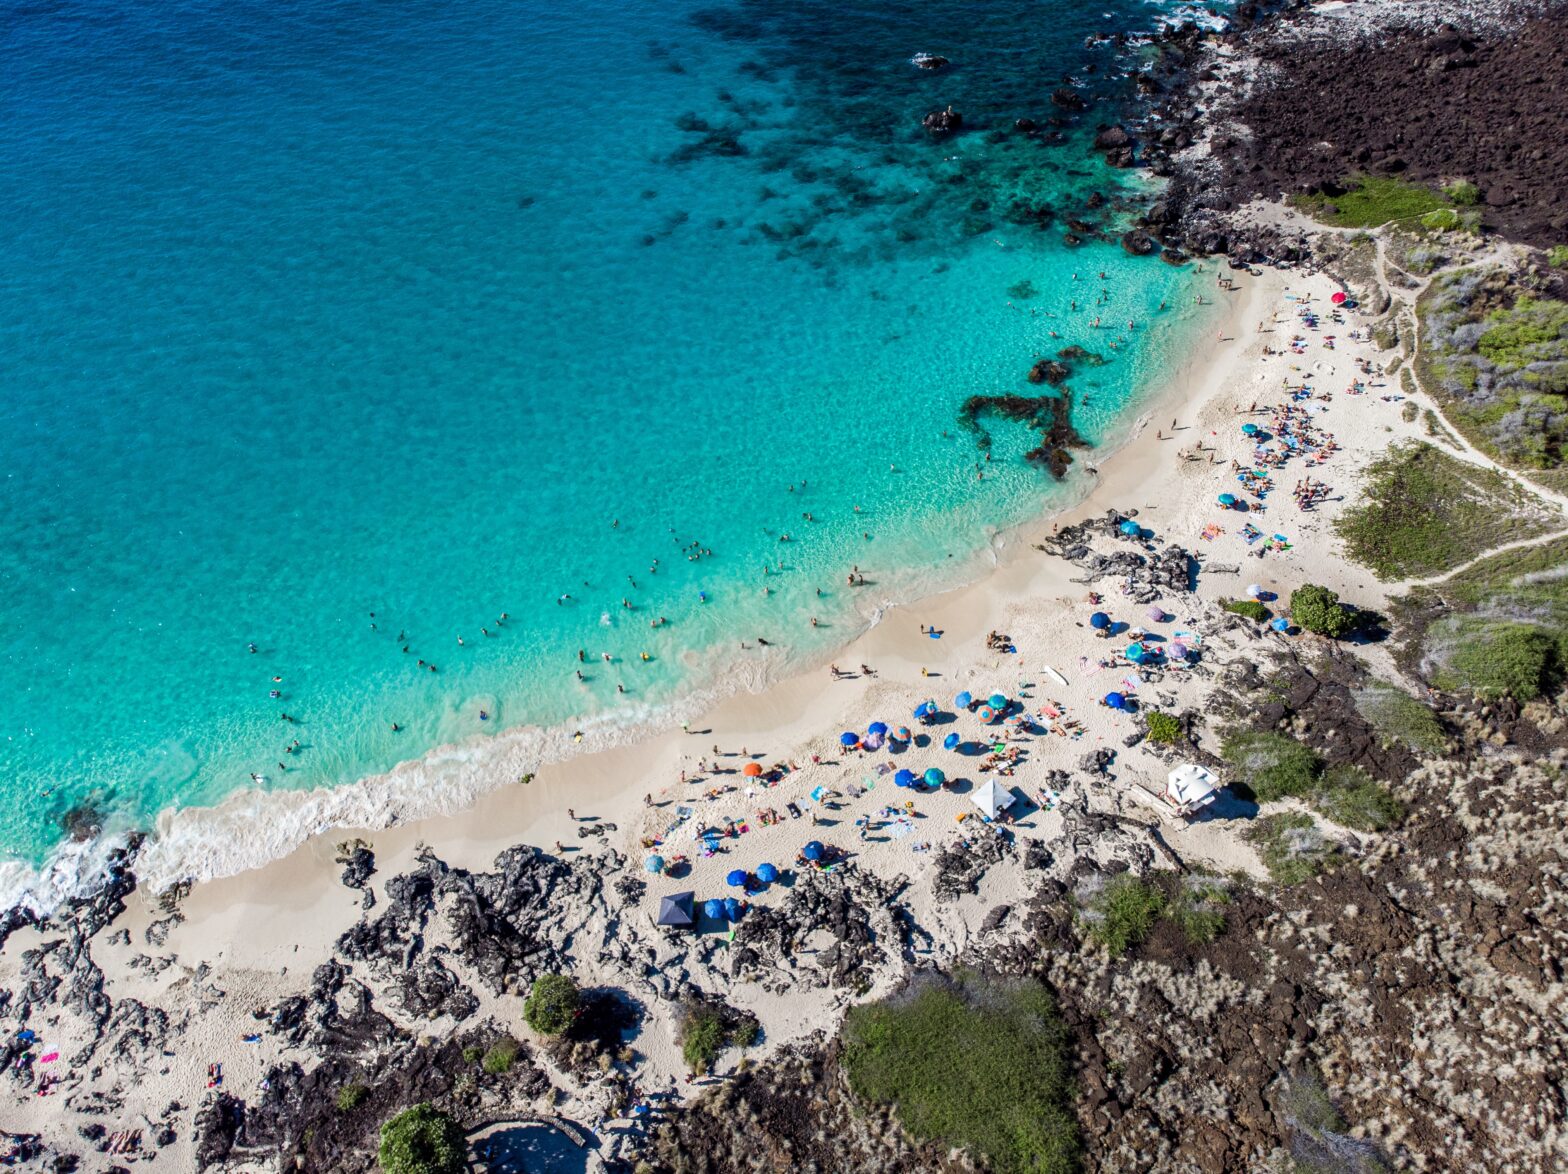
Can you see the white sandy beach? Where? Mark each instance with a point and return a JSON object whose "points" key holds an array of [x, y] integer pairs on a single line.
{"points": [[246, 941]]}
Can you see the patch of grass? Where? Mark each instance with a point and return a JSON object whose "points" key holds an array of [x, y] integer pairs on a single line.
{"points": [[1291, 847], [1464, 616], [1273, 765], [1399, 717], [1408, 411], [1424, 512], [973, 1063], [1463, 193], [1495, 353], [351, 1097], [1247, 608], [501, 1056], [1197, 907], [1118, 913], [1164, 728], [1501, 658], [1354, 799], [1371, 201], [1557, 256]]}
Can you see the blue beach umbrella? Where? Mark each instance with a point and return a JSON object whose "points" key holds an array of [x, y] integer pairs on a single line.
{"points": [[1249, 429], [1135, 651], [1227, 499], [934, 777], [736, 878], [1116, 701], [654, 863], [904, 778], [963, 700], [922, 709], [997, 701], [733, 909], [877, 728], [813, 850], [1131, 529], [714, 908], [1099, 621], [848, 739], [949, 742], [1281, 624], [767, 874]]}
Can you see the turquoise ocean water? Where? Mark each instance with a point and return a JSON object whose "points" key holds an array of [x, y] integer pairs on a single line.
{"points": [[313, 312]]}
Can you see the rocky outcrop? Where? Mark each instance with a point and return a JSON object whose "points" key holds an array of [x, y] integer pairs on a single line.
{"points": [[943, 122]]}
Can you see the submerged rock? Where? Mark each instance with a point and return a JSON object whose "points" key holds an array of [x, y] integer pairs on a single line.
{"points": [[942, 122]]}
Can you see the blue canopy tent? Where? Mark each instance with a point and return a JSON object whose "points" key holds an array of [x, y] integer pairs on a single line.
{"points": [[813, 850], [713, 908], [677, 910], [767, 874]]}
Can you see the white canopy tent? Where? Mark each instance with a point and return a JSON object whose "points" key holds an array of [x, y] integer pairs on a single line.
{"points": [[1189, 788], [992, 799]]}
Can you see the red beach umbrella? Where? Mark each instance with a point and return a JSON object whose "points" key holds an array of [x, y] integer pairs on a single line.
{"points": [[1338, 299]]}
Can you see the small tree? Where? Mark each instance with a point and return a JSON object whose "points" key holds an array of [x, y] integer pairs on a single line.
{"points": [[552, 1004], [1317, 609], [423, 1140]]}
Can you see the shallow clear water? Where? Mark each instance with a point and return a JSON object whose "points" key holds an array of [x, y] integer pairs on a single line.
{"points": [[438, 312]]}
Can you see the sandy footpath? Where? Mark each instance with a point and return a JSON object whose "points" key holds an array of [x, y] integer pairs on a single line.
{"points": [[256, 937]]}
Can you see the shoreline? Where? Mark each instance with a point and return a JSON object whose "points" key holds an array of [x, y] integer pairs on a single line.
{"points": [[507, 813], [197, 845]]}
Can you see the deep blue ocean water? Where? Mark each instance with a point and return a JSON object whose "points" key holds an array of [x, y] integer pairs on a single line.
{"points": [[317, 312]]}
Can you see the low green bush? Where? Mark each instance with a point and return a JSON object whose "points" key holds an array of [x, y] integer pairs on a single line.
{"points": [[501, 1056], [1557, 256], [1463, 192], [1164, 728], [1273, 765], [423, 1140], [552, 1004], [1197, 907], [702, 1037], [1399, 717], [1290, 846], [1353, 799], [351, 1097], [972, 1063], [1248, 608], [1515, 660], [1119, 913]]}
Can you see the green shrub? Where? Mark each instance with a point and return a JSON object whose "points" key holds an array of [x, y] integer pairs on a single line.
{"points": [[1119, 913], [423, 1140], [1505, 659], [473, 1054], [1317, 609], [1463, 192], [351, 1097], [1441, 220], [702, 1037], [1290, 845], [1164, 728], [746, 1033], [1399, 717], [973, 1063], [552, 1004], [1248, 608], [1198, 908], [1273, 765], [501, 1055], [1557, 256], [1353, 799]]}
